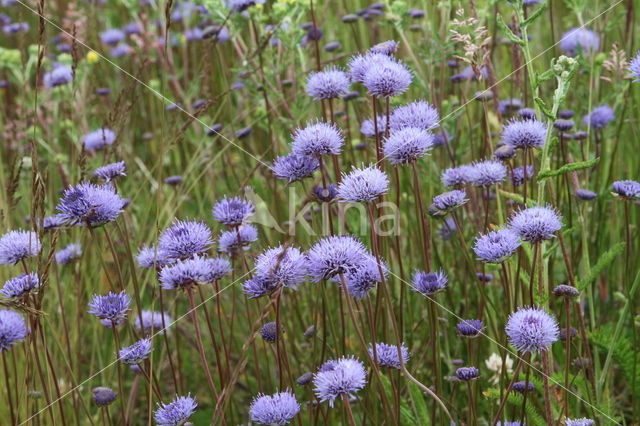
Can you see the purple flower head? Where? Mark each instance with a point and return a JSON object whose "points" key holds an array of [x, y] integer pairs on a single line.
{"points": [[110, 171], [286, 266], [51, 222], [359, 65], [484, 278], [152, 321], [197, 270], [68, 254], [232, 211], [363, 185], [18, 245], [89, 204], [135, 353], [13, 329], [21, 285], [153, 258], [467, 373], [504, 152], [450, 200], [344, 376], [429, 283], [579, 422], [330, 83], [112, 36], [183, 240], [524, 134], [388, 48], [579, 40], [442, 137], [269, 332], [242, 5], [599, 117], [112, 307], [390, 78], [361, 280], [627, 188], [514, 423], [276, 409], [496, 246], [325, 194], [294, 167], [335, 255], [317, 139], [509, 106], [58, 76], [585, 194], [536, 224], [407, 145], [388, 355], [98, 139], [634, 68], [103, 396], [457, 176], [419, 114], [469, 328], [528, 113], [259, 286], [522, 387], [368, 127], [488, 172], [173, 180], [237, 239], [518, 175], [531, 330], [121, 50], [176, 412], [564, 125]]}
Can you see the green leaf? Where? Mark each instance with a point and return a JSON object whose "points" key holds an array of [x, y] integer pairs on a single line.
{"points": [[624, 353], [515, 399], [543, 107], [419, 403], [602, 263], [510, 35], [517, 198], [535, 15], [571, 167]]}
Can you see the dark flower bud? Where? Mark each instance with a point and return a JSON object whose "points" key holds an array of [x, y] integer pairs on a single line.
{"points": [[504, 152], [581, 135], [314, 34], [243, 133], [564, 290], [483, 95], [310, 332], [563, 333], [522, 387], [350, 18], [214, 129], [103, 396], [467, 373], [333, 46], [565, 114], [305, 379], [563, 124], [585, 194], [351, 95], [325, 194]]}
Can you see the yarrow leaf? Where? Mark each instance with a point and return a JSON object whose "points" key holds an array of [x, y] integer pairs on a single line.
{"points": [[602, 263], [510, 35], [571, 167]]}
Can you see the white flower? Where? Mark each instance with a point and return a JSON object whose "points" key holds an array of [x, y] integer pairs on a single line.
{"points": [[494, 363]]}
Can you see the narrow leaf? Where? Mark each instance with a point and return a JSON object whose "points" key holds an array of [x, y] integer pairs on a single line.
{"points": [[602, 263], [510, 35], [571, 167]]}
